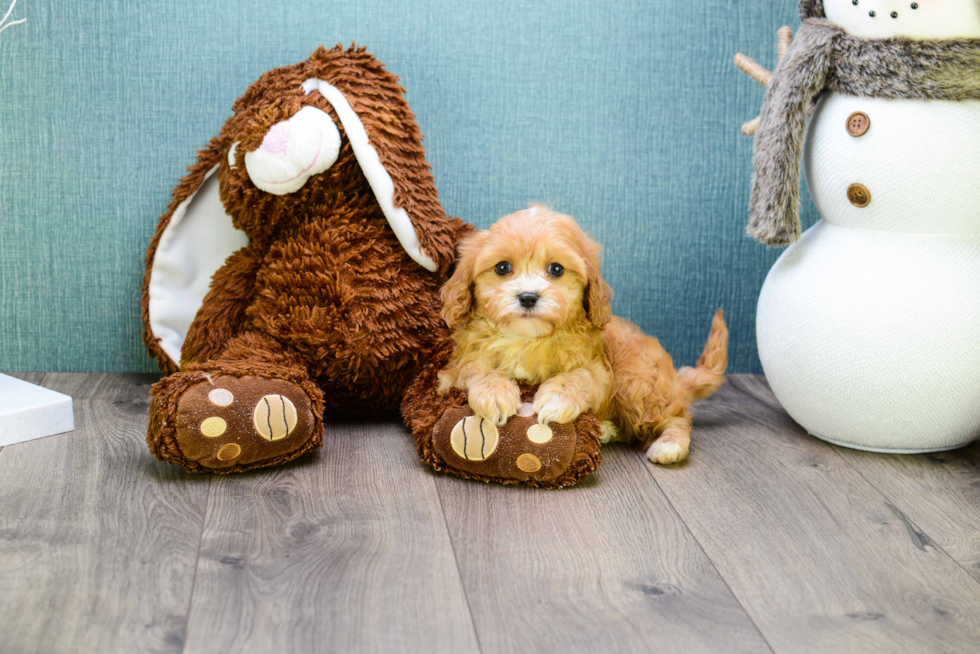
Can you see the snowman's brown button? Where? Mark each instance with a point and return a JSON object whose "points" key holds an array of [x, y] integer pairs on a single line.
{"points": [[858, 124], [859, 195]]}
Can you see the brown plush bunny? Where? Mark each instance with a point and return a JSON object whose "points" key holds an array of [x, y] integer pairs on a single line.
{"points": [[315, 213], [296, 274]]}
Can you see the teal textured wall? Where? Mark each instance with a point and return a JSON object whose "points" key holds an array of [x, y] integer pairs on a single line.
{"points": [[625, 114]]}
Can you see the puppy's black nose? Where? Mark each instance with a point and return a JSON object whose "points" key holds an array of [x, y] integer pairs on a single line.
{"points": [[528, 300]]}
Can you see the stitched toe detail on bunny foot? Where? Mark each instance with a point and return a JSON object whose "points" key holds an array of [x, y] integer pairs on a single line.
{"points": [[234, 423], [521, 451]]}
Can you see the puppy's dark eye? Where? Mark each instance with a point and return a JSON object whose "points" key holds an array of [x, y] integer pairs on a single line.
{"points": [[556, 270], [503, 268]]}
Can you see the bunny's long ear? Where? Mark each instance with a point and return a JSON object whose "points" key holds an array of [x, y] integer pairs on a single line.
{"points": [[387, 142], [371, 151], [193, 239]]}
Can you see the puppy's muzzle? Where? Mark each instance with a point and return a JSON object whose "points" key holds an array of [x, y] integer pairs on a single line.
{"points": [[528, 300]]}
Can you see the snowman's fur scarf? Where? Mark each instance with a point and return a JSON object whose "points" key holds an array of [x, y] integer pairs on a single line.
{"points": [[811, 9], [823, 57]]}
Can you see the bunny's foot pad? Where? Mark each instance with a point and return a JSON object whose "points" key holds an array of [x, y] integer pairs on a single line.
{"points": [[451, 439], [224, 423]]}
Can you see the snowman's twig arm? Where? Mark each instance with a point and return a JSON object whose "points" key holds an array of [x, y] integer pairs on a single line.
{"points": [[752, 69], [760, 74], [785, 36]]}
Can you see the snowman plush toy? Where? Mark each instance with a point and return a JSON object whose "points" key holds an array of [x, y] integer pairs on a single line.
{"points": [[869, 324]]}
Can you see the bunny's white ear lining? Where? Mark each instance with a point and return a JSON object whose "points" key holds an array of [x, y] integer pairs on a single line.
{"points": [[200, 236], [375, 172], [195, 244]]}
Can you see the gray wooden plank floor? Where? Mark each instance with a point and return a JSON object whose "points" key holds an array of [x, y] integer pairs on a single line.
{"points": [[98, 542], [766, 540], [346, 551]]}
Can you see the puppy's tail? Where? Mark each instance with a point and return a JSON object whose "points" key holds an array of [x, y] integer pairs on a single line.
{"points": [[708, 376]]}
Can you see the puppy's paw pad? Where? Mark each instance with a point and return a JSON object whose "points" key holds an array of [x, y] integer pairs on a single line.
{"points": [[666, 453]]}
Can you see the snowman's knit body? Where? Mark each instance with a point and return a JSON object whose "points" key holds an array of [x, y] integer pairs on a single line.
{"points": [[869, 325], [920, 159]]}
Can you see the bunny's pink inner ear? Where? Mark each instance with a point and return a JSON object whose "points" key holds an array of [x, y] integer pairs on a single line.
{"points": [[194, 245]]}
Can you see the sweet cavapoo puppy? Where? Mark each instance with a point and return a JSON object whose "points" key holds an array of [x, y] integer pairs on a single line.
{"points": [[527, 302]]}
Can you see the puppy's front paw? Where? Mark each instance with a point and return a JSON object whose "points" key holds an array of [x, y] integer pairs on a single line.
{"points": [[667, 452], [495, 400], [554, 403], [610, 433]]}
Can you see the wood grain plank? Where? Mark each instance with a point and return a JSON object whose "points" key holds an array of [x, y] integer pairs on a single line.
{"points": [[817, 556], [345, 551], [606, 566], [97, 539], [939, 492]]}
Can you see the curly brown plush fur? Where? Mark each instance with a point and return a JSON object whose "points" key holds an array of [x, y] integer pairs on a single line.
{"points": [[823, 57], [324, 296]]}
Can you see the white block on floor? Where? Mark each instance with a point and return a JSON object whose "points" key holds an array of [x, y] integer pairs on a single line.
{"points": [[28, 411]]}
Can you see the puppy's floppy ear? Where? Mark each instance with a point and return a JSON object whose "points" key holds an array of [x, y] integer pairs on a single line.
{"points": [[457, 293], [598, 296]]}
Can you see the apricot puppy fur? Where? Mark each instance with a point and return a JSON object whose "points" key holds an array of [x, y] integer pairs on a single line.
{"points": [[527, 302]]}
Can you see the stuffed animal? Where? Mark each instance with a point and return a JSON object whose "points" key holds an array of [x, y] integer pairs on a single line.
{"points": [[867, 326], [297, 270], [296, 275]]}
